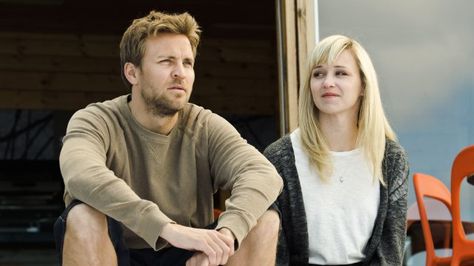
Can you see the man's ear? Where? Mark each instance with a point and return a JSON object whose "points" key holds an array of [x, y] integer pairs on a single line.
{"points": [[130, 72]]}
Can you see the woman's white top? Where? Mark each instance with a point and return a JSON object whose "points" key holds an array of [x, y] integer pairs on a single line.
{"points": [[340, 213]]}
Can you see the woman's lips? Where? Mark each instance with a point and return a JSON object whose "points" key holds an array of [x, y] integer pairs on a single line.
{"points": [[330, 94]]}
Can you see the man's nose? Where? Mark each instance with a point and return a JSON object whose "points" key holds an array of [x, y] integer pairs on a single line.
{"points": [[178, 71]]}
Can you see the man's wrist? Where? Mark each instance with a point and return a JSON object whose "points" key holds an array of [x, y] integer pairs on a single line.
{"points": [[226, 231], [168, 231]]}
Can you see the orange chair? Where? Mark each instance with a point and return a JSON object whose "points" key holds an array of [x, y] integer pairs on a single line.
{"points": [[440, 226], [463, 166], [429, 186]]}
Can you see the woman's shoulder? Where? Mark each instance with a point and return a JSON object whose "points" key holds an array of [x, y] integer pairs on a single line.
{"points": [[280, 151], [281, 145], [395, 163], [394, 149]]}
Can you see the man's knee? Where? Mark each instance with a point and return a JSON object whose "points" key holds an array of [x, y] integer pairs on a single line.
{"points": [[85, 222], [268, 225], [87, 240]]}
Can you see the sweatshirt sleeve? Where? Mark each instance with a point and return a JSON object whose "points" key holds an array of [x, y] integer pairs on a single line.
{"points": [[87, 178], [239, 167]]}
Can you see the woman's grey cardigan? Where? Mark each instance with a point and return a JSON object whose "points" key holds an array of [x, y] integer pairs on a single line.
{"points": [[385, 246]]}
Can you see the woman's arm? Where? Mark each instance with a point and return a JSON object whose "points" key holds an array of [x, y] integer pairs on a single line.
{"points": [[279, 156], [390, 249]]}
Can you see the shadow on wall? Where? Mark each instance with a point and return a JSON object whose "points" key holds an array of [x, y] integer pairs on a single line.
{"points": [[259, 131]]}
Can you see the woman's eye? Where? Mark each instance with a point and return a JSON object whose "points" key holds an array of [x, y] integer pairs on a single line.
{"points": [[318, 74], [341, 73]]}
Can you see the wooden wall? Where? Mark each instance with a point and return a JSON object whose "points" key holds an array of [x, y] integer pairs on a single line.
{"points": [[57, 71], [66, 70], [237, 76]]}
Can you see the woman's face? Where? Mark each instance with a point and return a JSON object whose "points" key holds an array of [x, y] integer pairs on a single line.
{"points": [[337, 88]]}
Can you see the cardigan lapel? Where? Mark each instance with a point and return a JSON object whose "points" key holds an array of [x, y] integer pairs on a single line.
{"points": [[297, 233]]}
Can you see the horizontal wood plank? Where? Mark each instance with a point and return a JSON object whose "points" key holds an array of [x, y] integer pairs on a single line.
{"points": [[108, 46], [95, 65], [235, 87], [66, 100], [51, 100], [227, 104], [11, 80], [60, 64]]}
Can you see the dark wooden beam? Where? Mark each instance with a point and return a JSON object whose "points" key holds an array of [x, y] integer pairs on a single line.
{"points": [[255, 19]]}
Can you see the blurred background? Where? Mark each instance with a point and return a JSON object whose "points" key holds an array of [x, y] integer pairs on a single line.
{"points": [[56, 56], [423, 52]]}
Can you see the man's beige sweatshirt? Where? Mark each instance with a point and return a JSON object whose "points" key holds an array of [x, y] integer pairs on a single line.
{"points": [[145, 180]]}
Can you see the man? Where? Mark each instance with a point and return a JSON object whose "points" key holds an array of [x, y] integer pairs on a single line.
{"points": [[152, 161]]}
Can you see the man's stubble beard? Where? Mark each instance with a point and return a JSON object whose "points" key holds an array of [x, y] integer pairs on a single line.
{"points": [[160, 106]]}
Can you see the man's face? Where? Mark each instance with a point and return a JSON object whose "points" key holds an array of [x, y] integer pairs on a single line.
{"points": [[166, 76]]}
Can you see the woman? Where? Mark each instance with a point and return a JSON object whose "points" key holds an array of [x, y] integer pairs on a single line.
{"points": [[345, 195]]}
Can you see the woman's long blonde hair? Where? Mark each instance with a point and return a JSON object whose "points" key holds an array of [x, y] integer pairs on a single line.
{"points": [[373, 127]]}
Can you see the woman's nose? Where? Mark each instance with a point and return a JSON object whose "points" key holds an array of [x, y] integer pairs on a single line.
{"points": [[328, 81]]}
